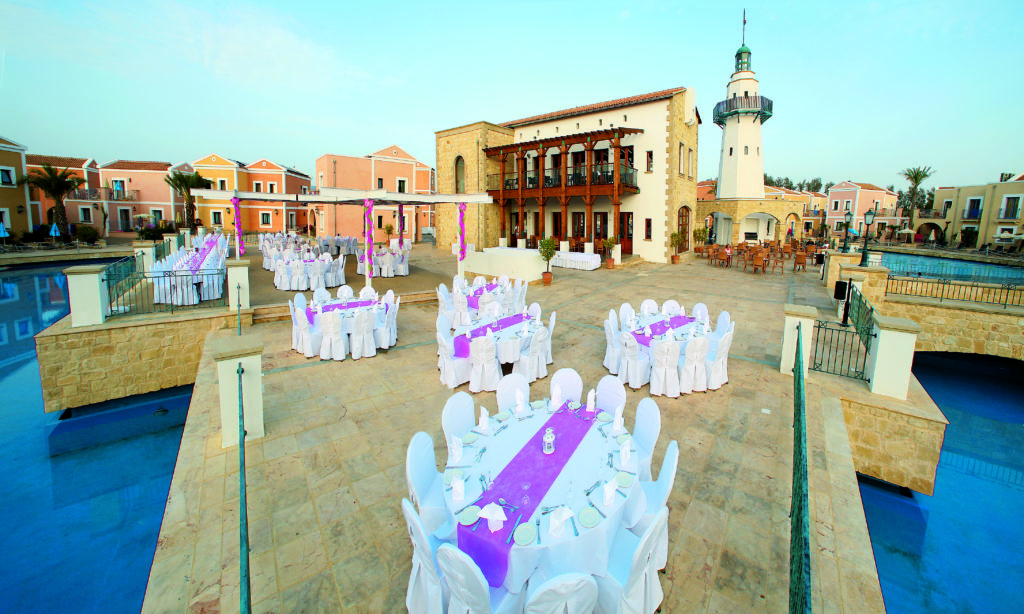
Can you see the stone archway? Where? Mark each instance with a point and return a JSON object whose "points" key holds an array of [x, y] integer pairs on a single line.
{"points": [[927, 228], [759, 226]]}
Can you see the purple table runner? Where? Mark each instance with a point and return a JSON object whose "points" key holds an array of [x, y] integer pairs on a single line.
{"points": [[529, 466], [311, 313], [195, 260], [461, 343], [660, 328], [473, 299]]}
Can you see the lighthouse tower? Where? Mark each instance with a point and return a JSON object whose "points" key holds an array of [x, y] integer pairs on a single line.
{"points": [[740, 115]]}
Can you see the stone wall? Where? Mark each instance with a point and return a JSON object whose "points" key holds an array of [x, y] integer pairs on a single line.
{"points": [[964, 327], [89, 364], [894, 446], [833, 262], [680, 189]]}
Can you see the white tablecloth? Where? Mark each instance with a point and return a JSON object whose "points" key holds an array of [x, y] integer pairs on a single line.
{"points": [[681, 334], [511, 341], [565, 260], [348, 316]]}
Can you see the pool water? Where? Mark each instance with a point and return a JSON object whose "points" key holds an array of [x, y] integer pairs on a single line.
{"points": [[960, 549], [949, 268], [78, 529]]}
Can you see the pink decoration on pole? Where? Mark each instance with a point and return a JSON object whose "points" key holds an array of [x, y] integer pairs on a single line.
{"points": [[462, 231], [238, 226], [368, 203], [401, 225]]}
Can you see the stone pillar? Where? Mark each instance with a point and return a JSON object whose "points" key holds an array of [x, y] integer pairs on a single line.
{"points": [[833, 261], [805, 316], [892, 355], [148, 250], [617, 253], [172, 244], [503, 242], [87, 294], [188, 237], [229, 352], [238, 275]]}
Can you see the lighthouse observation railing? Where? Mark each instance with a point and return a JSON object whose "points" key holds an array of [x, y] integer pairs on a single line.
{"points": [[742, 104]]}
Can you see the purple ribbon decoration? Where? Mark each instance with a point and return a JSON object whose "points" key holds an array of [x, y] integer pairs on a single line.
{"points": [[401, 225], [462, 231], [368, 203], [238, 226]]}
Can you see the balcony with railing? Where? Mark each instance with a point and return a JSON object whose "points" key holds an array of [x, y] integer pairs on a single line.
{"points": [[929, 214], [742, 105], [103, 194], [602, 174]]}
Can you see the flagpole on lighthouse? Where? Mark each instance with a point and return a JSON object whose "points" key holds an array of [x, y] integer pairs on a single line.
{"points": [[744, 41]]}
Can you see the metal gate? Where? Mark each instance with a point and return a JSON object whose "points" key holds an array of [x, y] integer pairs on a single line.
{"points": [[840, 350]]}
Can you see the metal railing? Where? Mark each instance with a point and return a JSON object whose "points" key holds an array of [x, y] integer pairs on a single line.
{"points": [[599, 174], [799, 512], [1005, 294], [552, 177], [742, 104], [861, 316], [117, 275], [928, 214], [839, 350], [181, 241], [1010, 275], [245, 590], [103, 194], [138, 292]]}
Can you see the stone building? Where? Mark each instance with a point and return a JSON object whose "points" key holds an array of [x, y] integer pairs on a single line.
{"points": [[624, 168], [977, 214]]}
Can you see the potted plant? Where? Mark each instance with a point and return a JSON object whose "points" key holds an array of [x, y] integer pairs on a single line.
{"points": [[388, 229], [609, 248], [675, 240], [547, 247]]}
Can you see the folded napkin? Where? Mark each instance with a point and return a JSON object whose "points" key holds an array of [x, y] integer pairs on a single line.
{"points": [[624, 452], [558, 519], [647, 331], [458, 489], [484, 419], [618, 426], [495, 515], [456, 449], [609, 492], [556, 396], [590, 400], [490, 332], [520, 402]]}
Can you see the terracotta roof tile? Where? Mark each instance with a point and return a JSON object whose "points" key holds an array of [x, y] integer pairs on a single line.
{"points": [[593, 108], [55, 161], [136, 165], [869, 186], [706, 190]]}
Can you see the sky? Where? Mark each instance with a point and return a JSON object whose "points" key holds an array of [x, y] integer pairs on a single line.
{"points": [[860, 90]]}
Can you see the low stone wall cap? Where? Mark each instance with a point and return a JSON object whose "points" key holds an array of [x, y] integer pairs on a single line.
{"points": [[234, 263], [800, 311], [236, 347], [905, 325], [85, 269]]}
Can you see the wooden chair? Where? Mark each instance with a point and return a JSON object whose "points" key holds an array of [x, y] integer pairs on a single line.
{"points": [[776, 263], [800, 260], [787, 251], [722, 258], [757, 263]]}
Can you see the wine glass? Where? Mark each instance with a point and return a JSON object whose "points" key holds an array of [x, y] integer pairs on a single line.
{"points": [[526, 497]]}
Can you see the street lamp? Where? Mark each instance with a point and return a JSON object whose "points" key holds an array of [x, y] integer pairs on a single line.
{"points": [[869, 219], [846, 233]]}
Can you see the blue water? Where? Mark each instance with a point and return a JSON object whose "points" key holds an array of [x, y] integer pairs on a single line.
{"points": [[948, 268], [77, 530], [962, 549]]}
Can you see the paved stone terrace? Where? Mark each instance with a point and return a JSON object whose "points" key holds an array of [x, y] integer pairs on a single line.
{"points": [[324, 486]]}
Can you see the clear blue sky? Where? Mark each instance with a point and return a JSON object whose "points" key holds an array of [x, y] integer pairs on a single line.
{"points": [[861, 90]]}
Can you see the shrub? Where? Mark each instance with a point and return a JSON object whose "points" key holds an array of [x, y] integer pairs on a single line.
{"points": [[151, 233], [87, 234]]}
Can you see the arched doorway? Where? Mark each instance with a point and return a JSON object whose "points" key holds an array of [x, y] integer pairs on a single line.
{"points": [[460, 175], [760, 227], [930, 231], [794, 229], [683, 228]]}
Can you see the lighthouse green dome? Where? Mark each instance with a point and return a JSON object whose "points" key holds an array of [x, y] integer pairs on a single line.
{"points": [[743, 49], [743, 58]]}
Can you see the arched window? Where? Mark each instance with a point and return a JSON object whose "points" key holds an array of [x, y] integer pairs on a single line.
{"points": [[460, 175], [746, 150]]}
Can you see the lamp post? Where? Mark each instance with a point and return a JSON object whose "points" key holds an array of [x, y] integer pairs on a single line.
{"points": [[846, 232], [869, 219]]}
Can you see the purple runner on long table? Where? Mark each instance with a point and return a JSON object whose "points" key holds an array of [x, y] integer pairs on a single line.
{"points": [[311, 314], [461, 343], [661, 327], [530, 465], [195, 260], [473, 299]]}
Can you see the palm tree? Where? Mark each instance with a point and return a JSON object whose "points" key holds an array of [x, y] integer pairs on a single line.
{"points": [[915, 176], [57, 185], [183, 184]]}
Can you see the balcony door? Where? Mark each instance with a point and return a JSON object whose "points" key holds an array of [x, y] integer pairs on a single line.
{"points": [[626, 230], [117, 185], [556, 225], [124, 219], [514, 225], [601, 225], [578, 224]]}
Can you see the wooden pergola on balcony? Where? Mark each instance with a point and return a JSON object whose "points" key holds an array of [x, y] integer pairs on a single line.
{"points": [[588, 179]]}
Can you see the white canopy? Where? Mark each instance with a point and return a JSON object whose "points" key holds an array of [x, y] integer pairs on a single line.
{"points": [[348, 197]]}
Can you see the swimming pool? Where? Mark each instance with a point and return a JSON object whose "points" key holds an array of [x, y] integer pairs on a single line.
{"points": [[948, 268], [78, 529], [960, 549]]}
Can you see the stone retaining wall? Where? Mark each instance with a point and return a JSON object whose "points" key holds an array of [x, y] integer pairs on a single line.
{"points": [[962, 327]]}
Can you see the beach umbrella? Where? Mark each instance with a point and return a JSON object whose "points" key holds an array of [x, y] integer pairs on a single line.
{"points": [[905, 231], [931, 236], [853, 232]]}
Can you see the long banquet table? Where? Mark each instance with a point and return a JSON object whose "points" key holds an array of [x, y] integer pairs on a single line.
{"points": [[565, 260], [512, 335]]}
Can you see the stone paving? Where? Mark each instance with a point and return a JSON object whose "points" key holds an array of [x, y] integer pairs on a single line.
{"points": [[324, 485]]}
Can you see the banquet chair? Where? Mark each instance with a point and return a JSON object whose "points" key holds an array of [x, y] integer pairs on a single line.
{"points": [[454, 371], [310, 336], [646, 428], [665, 369], [295, 325], [479, 281], [507, 387], [297, 276], [634, 365], [613, 317], [485, 299], [345, 293], [571, 593], [610, 394], [316, 275], [549, 358], [692, 370], [389, 296], [334, 344], [503, 280], [613, 348], [361, 266], [426, 485], [367, 293], [300, 301], [648, 307], [534, 311], [521, 297], [717, 363], [532, 363], [393, 322], [402, 266], [184, 290], [321, 296], [626, 316], [281, 280], [700, 312], [632, 583], [462, 317], [508, 302], [492, 312], [469, 592], [457, 417], [656, 494], [485, 372], [721, 326], [569, 382], [670, 307], [362, 343]]}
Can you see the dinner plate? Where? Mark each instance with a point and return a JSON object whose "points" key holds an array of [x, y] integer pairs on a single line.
{"points": [[624, 479], [574, 404], [621, 439], [602, 417], [537, 404], [525, 534], [469, 515], [469, 438], [502, 416], [589, 517], [451, 475]]}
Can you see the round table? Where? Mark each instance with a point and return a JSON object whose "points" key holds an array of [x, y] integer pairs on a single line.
{"points": [[510, 341]]}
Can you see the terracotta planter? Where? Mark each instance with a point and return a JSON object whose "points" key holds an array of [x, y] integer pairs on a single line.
{"points": [[610, 263], [546, 276], [675, 258]]}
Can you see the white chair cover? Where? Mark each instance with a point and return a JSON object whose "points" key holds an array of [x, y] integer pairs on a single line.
{"points": [[665, 370], [692, 370], [549, 358], [321, 296], [295, 325], [362, 343], [461, 310], [334, 345], [454, 371], [626, 315], [310, 336], [484, 368], [345, 292], [613, 350], [297, 276], [717, 363], [457, 417], [393, 322], [469, 591], [507, 387], [722, 325], [534, 311], [610, 394], [572, 593], [281, 279], [300, 300], [508, 302], [700, 312], [387, 266], [316, 275], [648, 307], [656, 496], [532, 363], [479, 281], [367, 293], [633, 587], [184, 291], [634, 365], [670, 307], [614, 319], [569, 383], [646, 428], [425, 483], [485, 301]]}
